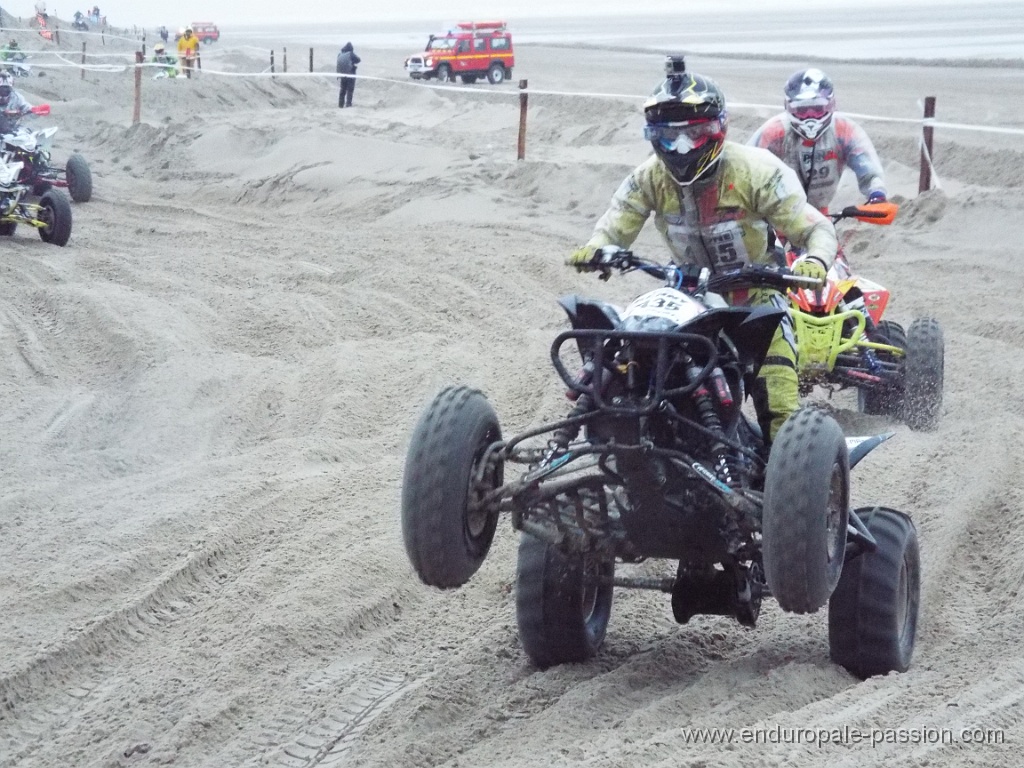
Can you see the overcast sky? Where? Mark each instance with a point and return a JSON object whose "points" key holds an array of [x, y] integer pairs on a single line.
{"points": [[174, 13]]}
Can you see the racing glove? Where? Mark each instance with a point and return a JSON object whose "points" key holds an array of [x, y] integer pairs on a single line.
{"points": [[876, 196], [591, 258], [810, 266], [582, 258]]}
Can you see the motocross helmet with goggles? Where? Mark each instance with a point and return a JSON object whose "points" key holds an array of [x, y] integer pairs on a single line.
{"points": [[686, 123], [810, 102], [6, 89]]}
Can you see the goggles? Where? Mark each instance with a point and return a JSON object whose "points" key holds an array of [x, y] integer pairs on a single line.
{"points": [[815, 110], [684, 137]]}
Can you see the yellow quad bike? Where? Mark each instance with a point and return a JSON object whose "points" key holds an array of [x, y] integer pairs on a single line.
{"points": [[843, 341]]}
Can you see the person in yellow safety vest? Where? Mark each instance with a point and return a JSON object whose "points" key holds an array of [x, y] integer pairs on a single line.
{"points": [[713, 201], [188, 51]]}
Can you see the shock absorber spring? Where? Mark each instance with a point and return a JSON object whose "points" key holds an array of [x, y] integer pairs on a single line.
{"points": [[872, 361], [709, 418], [565, 435]]}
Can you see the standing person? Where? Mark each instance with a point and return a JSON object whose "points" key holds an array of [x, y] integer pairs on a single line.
{"points": [[713, 201], [817, 142], [347, 61], [188, 50], [164, 34]]}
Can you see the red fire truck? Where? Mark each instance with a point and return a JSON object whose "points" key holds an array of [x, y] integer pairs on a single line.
{"points": [[472, 50]]}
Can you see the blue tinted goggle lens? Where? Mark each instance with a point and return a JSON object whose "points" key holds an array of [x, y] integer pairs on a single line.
{"points": [[682, 136]]}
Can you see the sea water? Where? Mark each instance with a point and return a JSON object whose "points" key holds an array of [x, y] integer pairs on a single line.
{"points": [[981, 29]]}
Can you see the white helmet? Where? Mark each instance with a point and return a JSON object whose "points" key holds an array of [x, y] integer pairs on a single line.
{"points": [[810, 102], [6, 88]]}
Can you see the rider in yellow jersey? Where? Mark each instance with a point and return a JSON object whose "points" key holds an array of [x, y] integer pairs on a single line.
{"points": [[713, 201]]}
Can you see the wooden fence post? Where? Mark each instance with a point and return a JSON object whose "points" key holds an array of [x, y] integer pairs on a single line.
{"points": [[284, 60], [925, 182], [271, 61], [137, 111], [310, 59], [83, 60], [521, 154]]}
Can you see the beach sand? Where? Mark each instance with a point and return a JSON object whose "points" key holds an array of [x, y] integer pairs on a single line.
{"points": [[205, 400]]}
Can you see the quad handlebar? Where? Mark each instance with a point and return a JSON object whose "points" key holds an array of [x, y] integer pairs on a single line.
{"points": [[700, 280]]}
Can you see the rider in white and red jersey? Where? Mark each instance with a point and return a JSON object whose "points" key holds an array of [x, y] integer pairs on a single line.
{"points": [[817, 142]]}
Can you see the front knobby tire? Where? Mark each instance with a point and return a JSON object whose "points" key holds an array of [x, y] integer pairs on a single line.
{"points": [[925, 371], [806, 510], [872, 615], [447, 533], [885, 401], [561, 610], [55, 212]]}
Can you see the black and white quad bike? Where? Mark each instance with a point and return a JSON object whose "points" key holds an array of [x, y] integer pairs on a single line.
{"points": [[50, 214], [32, 150], [668, 467]]}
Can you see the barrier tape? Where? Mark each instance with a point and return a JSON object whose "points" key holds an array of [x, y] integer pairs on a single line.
{"points": [[936, 184], [462, 89]]}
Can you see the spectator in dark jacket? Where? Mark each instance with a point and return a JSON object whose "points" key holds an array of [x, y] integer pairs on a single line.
{"points": [[347, 61]]}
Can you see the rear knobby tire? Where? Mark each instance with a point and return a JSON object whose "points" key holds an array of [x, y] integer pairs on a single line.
{"points": [[885, 401], [872, 615], [562, 614], [56, 212], [447, 536], [7, 228], [79, 178], [806, 510], [925, 370]]}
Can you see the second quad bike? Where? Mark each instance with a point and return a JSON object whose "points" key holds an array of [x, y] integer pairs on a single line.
{"points": [[32, 150], [844, 341], [50, 214], [657, 460]]}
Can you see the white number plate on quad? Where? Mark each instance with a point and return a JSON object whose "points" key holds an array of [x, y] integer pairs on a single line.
{"points": [[667, 303]]}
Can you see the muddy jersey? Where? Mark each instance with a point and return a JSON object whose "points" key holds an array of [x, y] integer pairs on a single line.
{"points": [[819, 164], [720, 222]]}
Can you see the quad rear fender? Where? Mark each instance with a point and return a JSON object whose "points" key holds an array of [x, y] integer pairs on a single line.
{"points": [[589, 313], [859, 447]]}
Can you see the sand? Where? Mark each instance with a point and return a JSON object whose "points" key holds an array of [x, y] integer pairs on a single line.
{"points": [[205, 400]]}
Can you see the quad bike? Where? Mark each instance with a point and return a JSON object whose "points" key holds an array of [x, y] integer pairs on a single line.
{"points": [[51, 214], [844, 342], [668, 466], [14, 64], [32, 150]]}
